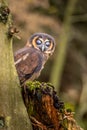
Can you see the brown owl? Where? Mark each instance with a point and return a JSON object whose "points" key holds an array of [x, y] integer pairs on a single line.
{"points": [[30, 60]]}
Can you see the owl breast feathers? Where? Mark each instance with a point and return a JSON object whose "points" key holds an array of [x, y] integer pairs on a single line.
{"points": [[30, 60]]}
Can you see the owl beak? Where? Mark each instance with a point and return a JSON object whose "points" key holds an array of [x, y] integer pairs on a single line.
{"points": [[42, 48]]}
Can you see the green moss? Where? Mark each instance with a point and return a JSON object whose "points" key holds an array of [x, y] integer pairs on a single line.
{"points": [[33, 85], [42, 87], [69, 106]]}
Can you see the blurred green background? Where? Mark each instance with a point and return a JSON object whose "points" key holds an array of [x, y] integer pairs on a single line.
{"points": [[66, 21]]}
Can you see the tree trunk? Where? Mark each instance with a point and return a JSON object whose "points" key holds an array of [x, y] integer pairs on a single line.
{"points": [[13, 115]]}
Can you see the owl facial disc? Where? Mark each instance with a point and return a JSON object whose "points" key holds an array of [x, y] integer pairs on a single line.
{"points": [[43, 42]]}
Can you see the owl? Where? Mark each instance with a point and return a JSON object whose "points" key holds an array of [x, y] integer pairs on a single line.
{"points": [[30, 60]]}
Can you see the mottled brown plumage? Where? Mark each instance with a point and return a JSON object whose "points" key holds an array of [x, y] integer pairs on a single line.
{"points": [[30, 60]]}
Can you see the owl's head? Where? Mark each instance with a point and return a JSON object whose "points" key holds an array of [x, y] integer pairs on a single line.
{"points": [[42, 42]]}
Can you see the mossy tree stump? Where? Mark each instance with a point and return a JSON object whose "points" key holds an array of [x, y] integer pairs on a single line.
{"points": [[45, 109]]}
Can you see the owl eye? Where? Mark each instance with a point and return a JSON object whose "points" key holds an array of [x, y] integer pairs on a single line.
{"points": [[48, 43], [38, 42]]}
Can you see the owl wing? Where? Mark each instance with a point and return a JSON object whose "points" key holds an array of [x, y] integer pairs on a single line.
{"points": [[28, 63]]}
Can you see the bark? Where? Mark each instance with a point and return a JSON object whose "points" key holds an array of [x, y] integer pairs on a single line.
{"points": [[13, 115]]}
